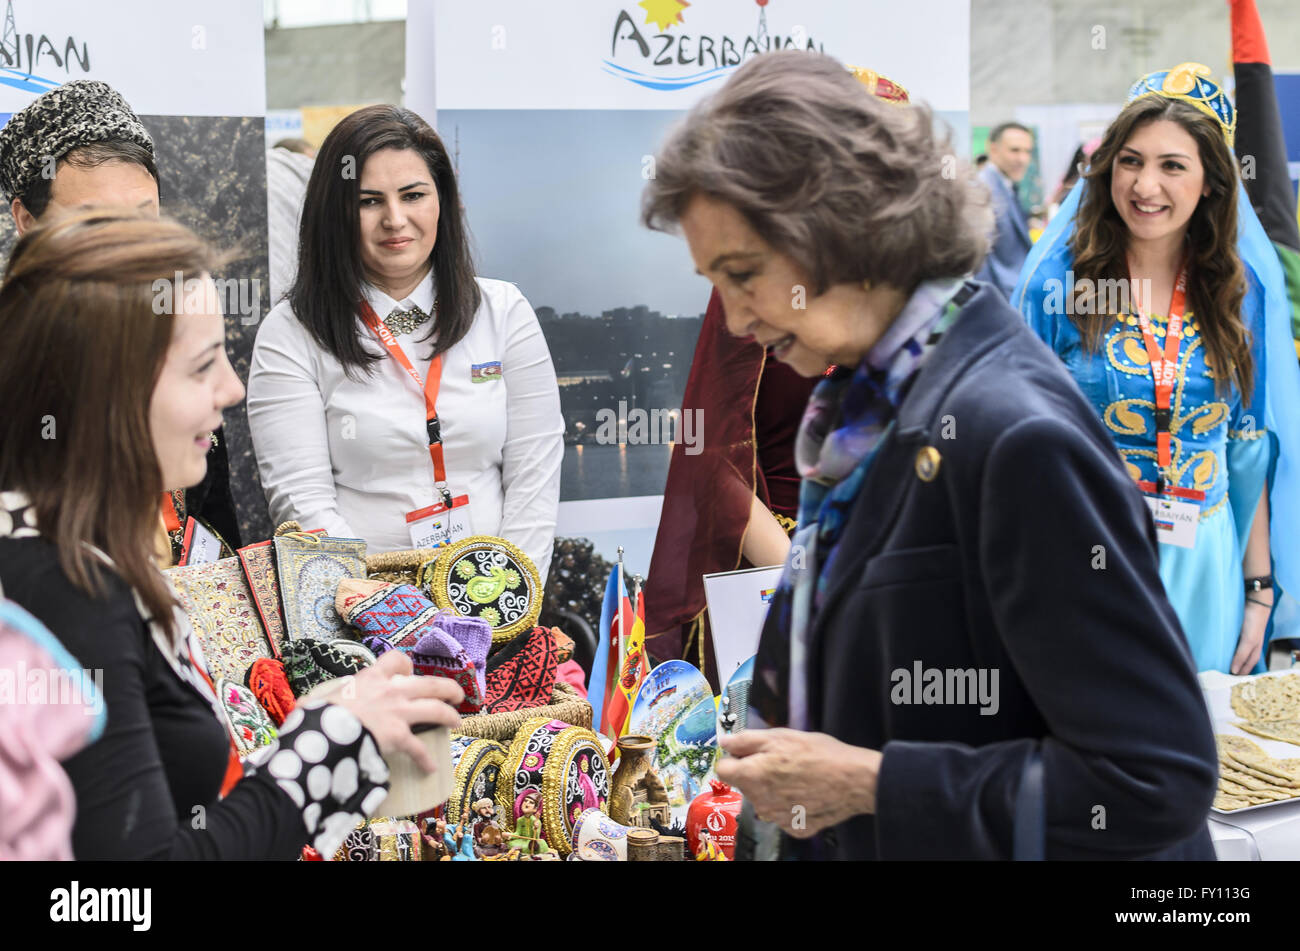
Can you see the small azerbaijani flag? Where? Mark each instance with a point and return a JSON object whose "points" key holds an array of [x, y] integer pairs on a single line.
{"points": [[485, 372], [613, 702], [634, 669], [605, 665]]}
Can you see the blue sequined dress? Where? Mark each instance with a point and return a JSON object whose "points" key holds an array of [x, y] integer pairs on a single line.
{"points": [[1219, 446]]}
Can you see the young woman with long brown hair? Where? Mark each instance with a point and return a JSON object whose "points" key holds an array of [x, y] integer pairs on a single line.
{"points": [[109, 395], [1141, 290]]}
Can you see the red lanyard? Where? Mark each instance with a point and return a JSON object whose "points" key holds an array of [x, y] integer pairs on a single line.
{"points": [[170, 518], [429, 387], [1164, 369]]}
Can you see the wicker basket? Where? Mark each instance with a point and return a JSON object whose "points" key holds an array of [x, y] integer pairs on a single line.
{"points": [[398, 567], [565, 706]]}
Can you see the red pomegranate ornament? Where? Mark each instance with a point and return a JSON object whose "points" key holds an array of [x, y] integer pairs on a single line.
{"points": [[716, 811]]}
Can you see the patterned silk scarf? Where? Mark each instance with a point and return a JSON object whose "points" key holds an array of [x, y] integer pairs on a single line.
{"points": [[848, 418]]}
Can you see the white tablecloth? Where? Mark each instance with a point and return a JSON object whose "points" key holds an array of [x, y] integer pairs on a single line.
{"points": [[1268, 834]]}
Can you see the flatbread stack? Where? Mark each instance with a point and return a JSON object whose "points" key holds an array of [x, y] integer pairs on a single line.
{"points": [[1271, 698], [1248, 776]]}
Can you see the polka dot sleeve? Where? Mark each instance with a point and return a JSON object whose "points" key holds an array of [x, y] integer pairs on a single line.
{"points": [[329, 765]]}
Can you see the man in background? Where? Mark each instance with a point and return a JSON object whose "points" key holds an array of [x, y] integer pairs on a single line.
{"points": [[81, 146], [1010, 148], [288, 169]]}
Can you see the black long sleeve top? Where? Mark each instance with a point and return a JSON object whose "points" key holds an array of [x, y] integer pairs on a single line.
{"points": [[149, 787]]}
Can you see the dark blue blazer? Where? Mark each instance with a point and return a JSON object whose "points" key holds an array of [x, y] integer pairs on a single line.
{"points": [[1011, 241], [1028, 552]]}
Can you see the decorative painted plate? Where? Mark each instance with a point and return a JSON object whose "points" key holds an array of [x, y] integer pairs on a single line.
{"points": [[734, 703], [675, 706]]}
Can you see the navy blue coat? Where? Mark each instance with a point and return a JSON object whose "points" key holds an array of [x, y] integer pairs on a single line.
{"points": [[1011, 242], [1029, 552]]}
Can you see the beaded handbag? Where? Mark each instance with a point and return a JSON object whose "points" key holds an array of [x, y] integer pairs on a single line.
{"points": [[489, 578]]}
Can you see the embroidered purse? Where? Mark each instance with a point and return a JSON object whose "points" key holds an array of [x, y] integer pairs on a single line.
{"points": [[309, 568], [248, 723], [258, 562], [223, 613]]}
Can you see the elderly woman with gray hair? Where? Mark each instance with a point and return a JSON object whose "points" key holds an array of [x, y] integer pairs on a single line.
{"points": [[948, 668]]}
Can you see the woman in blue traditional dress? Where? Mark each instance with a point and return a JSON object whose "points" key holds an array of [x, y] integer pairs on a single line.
{"points": [[1154, 288]]}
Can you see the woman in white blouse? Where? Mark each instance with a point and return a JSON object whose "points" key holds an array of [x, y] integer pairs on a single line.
{"points": [[340, 425]]}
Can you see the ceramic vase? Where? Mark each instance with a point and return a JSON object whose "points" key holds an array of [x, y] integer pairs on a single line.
{"points": [[636, 792]]}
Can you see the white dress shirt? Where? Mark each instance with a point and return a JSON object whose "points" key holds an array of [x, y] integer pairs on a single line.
{"points": [[352, 456]]}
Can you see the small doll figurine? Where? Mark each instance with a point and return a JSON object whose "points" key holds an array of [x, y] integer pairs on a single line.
{"points": [[487, 834], [435, 850], [467, 850], [459, 844], [709, 850], [443, 834], [590, 798], [527, 836]]}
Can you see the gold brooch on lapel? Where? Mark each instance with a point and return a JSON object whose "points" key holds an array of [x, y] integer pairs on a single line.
{"points": [[927, 464]]}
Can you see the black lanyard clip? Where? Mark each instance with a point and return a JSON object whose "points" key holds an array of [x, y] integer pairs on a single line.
{"points": [[434, 428], [1164, 418]]}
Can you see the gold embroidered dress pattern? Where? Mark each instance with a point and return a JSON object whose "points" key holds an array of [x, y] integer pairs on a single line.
{"points": [[1199, 427]]}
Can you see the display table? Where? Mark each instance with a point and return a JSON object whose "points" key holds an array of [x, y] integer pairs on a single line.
{"points": [[1268, 834]]}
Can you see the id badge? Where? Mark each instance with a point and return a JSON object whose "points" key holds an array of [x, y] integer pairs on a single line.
{"points": [[1175, 520], [438, 525], [200, 547]]}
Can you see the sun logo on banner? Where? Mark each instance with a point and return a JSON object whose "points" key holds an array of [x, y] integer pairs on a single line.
{"points": [[663, 13]]}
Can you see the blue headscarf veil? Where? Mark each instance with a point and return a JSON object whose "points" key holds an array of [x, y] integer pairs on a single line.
{"points": [[1051, 258]]}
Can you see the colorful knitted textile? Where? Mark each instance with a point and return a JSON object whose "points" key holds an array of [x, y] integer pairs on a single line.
{"points": [[439, 643], [522, 673], [267, 679], [308, 662]]}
